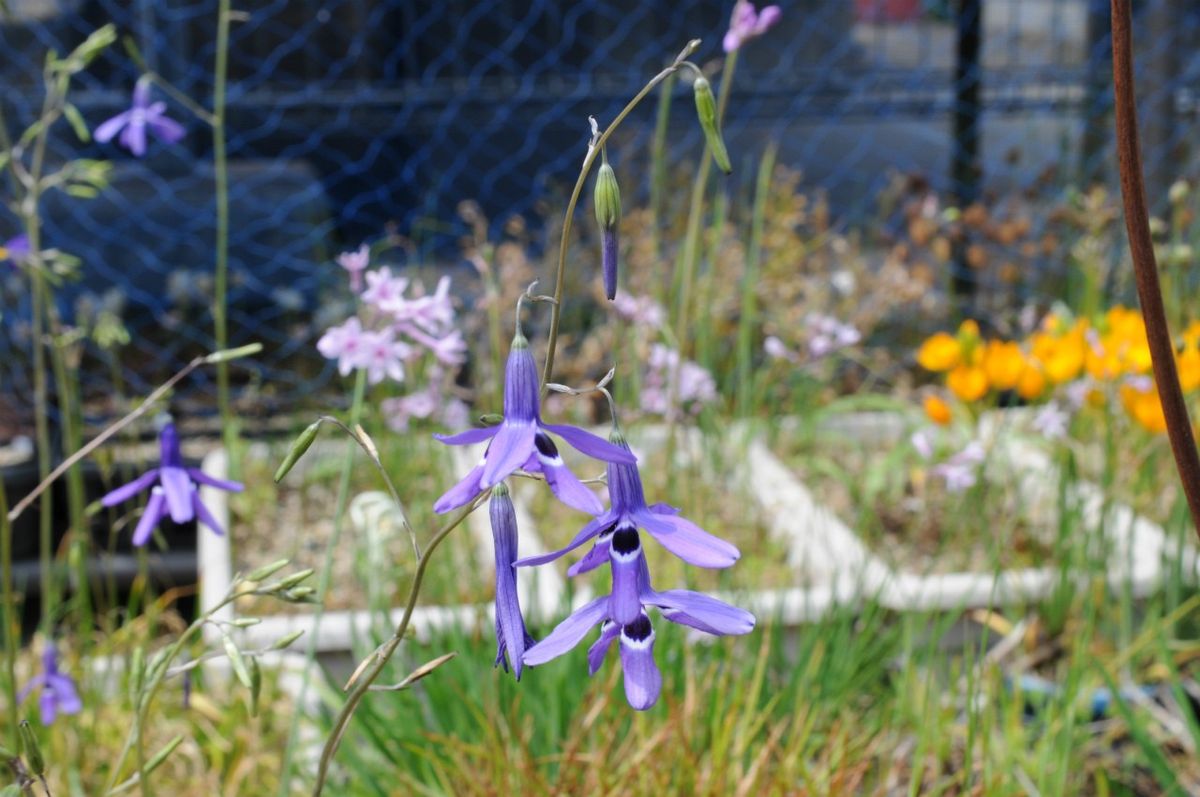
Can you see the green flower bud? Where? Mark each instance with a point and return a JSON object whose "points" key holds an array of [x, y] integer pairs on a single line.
{"points": [[706, 109], [33, 753], [608, 213], [607, 198], [299, 446]]}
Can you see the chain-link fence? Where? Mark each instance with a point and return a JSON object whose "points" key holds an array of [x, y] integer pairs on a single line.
{"points": [[351, 119]]}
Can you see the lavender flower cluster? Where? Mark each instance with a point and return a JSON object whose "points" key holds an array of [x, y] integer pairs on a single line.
{"points": [[523, 441]]}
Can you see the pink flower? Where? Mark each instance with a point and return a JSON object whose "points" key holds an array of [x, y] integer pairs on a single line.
{"points": [[961, 471], [450, 349], [696, 386], [641, 310], [356, 263], [383, 356], [777, 350], [346, 344], [431, 314], [827, 335], [922, 444], [383, 288], [746, 23], [419, 405]]}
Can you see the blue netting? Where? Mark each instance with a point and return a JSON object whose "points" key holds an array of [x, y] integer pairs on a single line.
{"points": [[352, 118]]}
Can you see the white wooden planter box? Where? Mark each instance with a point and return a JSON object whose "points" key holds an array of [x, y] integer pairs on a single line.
{"points": [[834, 566]]}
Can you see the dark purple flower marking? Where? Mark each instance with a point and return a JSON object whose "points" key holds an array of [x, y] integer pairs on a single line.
{"points": [[59, 694], [628, 513], [173, 490], [523, 441], [133, 123]]}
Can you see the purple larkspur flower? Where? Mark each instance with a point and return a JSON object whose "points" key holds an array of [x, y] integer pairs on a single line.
{"points": [[523, 441], [619, 618], [15, 249], [746, 23], [173, 488], [132, 124], [59, 694], [618, 542], [511, 637], [355, 263]]}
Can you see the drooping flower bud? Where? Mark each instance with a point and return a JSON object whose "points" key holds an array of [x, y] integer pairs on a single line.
{"points": [[706, 109], [608, 214]]}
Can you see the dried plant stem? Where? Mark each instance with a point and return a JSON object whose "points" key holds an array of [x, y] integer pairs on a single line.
{"points": [[383, 655], [593, 151], [140, 410], [1145, 267]]}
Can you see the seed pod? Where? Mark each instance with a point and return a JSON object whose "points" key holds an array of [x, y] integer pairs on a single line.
{"points": [[706, 109], [607, 200]]}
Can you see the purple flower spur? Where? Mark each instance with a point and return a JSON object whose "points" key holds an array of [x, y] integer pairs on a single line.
{"points": [[523, 441], [173, 490]]}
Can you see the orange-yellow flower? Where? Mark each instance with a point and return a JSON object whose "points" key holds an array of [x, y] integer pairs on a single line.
{"points": [[1003, 363], [1144, 407], [940, 352], [1188, 362], [937, 410], [1032, 383], [968, 382]]}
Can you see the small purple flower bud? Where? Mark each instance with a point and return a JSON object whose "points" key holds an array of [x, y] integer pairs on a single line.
{"points": [[607, 200], [511, 637]]}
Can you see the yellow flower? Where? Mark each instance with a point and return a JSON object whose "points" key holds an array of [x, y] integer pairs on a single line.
{"points": [[943, 351], [1062, 357], [1145, 408], [1188, 362], [1032, 383], [1003, 363], [937, 410], [968, 382], [940, 352]]}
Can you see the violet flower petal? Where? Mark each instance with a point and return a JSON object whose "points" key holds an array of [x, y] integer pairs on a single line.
{"points": [[468, 437], [204, 516], [568, 633], [625, 604], [509, 450], [709, 614], [133, 137], [178, 489], [461, 493], [110, 127], [127, 491], [593, 558], [200, 477], [688, 541], [561, 481], [591, 445], [66, 695], [48, 704], [594, 527], [155, 511], [599, 649], [166, 128], [643, 681]]}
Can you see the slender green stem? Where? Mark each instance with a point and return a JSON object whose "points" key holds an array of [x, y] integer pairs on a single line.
{"points": [[325, 577], [229, 430], [748, 317], [10, 621], [382, 656], [568, 217]]}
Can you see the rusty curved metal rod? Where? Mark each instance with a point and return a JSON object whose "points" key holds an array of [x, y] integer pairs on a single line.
{"points": [[1145, 266]]}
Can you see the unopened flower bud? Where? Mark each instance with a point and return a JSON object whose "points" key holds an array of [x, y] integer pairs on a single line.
{"points": [[33, 753], [298, 448], [608, 214], [706, 109]]}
